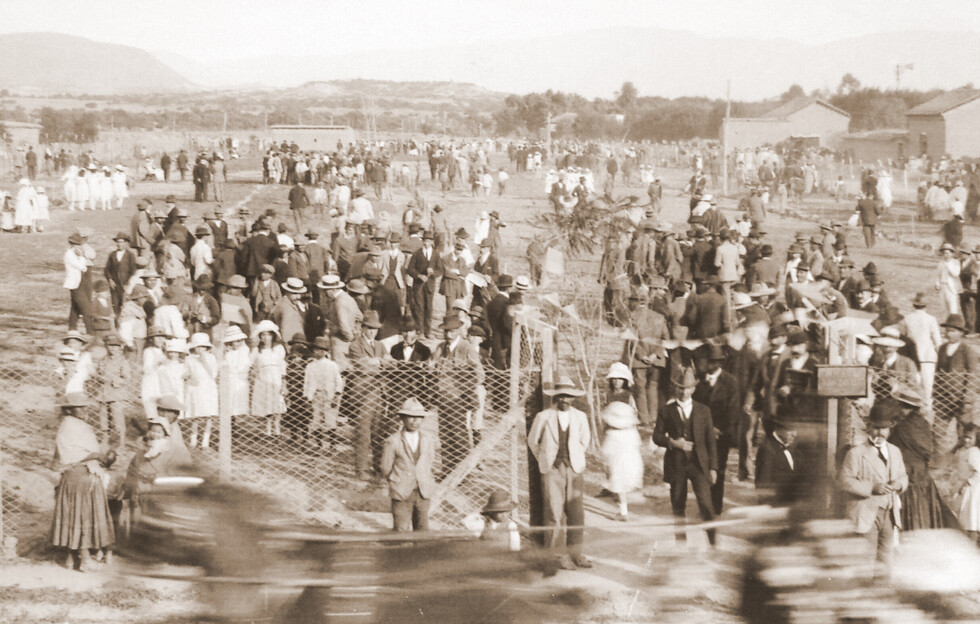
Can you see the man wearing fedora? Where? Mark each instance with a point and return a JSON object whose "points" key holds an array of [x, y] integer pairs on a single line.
{"points": [[119, 268], [645, 354], [685, 429], [873, 476], [718, 390], [366, 391], [457, 380], [406, 464], [423, 267], [558, 439], [777, 463], [922, 329], [203, 312], [78, 282], [959, 359], [894, 365], [342, 316], [706, 315]]}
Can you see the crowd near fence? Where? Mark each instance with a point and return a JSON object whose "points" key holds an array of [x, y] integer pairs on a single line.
{"points": [[481, 433]]}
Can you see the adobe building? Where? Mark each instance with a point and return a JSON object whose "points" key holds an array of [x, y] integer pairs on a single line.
{"points": [[808, 118], [947, 124], [872, 146]]}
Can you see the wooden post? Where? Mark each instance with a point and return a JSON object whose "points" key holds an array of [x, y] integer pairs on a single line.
{"points": [[513, 405]]}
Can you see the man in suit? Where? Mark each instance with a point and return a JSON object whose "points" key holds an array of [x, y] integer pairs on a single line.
{"points": [[422, 268], [119, 268], [868, 210], [958, 358], [141, 230], [873, 476], [365, 390], [501, 323], [261, 248], [406, 463], [645, 355], [202, 178], [342, 316], [558, 439], [706, 315], [719, 391], [410, 349], [777, 465], [219, 228], [684, 428], [922, 329], [458, 374]]}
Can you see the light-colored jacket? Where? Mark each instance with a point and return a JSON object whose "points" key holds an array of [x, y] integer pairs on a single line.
{"points": [[402, 472], [861, 470], [543, 439], [923, 330]]}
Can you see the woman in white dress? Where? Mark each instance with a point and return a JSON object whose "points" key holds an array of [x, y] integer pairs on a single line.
{"points": [[949, 285], [105, 189], [269, 364], [235, 365], [82, 190], [119, 189], [69, 178], [42, 211], [621, 443], [202, 388], [94, 179], [884, 188], [24, 206], [153, 358], [172, 374]]}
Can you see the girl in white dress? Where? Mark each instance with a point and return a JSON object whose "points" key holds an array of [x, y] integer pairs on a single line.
{"points": [[81, 190], [119, 190], [172, 374], [202, 387], [153, 358], [621, 443], [105, 189], [42, 212], [94, 179], [235, 365], [69, 178], [269, 364], [966, 502], [24, 206]]}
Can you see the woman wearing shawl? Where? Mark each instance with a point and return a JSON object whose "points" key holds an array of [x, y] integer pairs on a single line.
{"points": [[81, 509]]}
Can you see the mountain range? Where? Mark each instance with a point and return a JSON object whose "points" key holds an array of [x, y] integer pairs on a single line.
{"points": [[659, 62]]}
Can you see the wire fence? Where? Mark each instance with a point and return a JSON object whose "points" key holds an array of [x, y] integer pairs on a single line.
{"points": [[318, 455]]}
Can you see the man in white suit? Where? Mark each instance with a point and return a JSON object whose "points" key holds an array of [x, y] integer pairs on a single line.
{"points": [[872, 476], [558, 439]]}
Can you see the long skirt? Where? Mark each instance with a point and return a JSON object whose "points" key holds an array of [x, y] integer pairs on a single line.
{"points": [[81, 511]]}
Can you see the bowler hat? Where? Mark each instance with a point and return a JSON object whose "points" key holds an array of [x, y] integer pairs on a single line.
{"points": [[920, 300], [236, 281], [500, 501], [956, 321], [169, 403], [121, 236], [371, 319], [358, 287], [322, 343], [886, 412]]}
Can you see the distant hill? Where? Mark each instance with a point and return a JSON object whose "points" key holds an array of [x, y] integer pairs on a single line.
{"points": [[669, 63], [47, 63], [429, 92]]}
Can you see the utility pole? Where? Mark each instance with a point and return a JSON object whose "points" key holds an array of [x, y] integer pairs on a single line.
{"points": [[724, 139], [547, 135]]}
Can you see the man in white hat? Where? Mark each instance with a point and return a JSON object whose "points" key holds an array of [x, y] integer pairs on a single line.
{"points": [[558, 438], [342, 316], [685, 429], [893, 364]]}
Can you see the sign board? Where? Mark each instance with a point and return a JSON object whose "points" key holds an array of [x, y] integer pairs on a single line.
{"points": [[840, 382]]}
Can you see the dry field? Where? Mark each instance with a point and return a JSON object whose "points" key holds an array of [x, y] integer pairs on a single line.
{"points": [[33, 313]]}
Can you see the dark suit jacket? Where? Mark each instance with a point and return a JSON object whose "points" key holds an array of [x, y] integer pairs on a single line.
{"points": [[722, 401], [671, 426], [256, 251], [775, 481], [501, 327], [705, 315], [420, 352], [385, 302], [963, 360], [418, 265], [119, 271], [219, 230], [869, 210]]}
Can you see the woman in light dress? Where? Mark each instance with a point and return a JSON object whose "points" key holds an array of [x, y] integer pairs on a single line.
{"points": [[269, 364], [24, 206], [153, 358], [42, 211], [621, 443], [172, 373], [81, 185], [884, 188], [235, 366], [69, 178], [948, 285], [119, 189], [966, 501], [105, 189], [202, 388], [94, 179]]}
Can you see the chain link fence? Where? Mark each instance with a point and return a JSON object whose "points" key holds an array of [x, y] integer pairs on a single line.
{"points": [[318, 455]]}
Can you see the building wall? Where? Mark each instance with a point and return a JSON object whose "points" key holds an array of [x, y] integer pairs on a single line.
{"points": [[963, 130], [818, 120], [934, 130], [23, 136], [752, 133], [313, 139], [872, 150]]}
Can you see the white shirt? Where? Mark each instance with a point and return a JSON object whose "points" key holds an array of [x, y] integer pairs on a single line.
{"points": [[201, 257], [407, 351], [75, 265], [686, 407], [789, 456], [412, 440], [712, 378], [563, 419]]}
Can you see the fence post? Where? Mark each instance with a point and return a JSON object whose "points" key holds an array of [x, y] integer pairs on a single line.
{"points": [[515, 397]]}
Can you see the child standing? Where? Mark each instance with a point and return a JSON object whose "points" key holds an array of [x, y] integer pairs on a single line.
{"points": [[172, 374], [269, 362], [621, 443], [117, 379], [235, 364], [322, 385], [298, 408], [967, 499], [202, 388], [153, 358]]}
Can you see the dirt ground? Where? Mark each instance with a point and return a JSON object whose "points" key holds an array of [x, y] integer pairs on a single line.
{"points": [[33, 311]]}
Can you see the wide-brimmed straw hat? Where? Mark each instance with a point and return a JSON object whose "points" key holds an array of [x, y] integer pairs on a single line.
{"points": [[330, 282], [565, 387], [294, 285], [411, 408]]}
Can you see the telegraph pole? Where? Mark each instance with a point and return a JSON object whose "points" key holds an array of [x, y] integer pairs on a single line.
{"points": [[724, 139], [547, 135]]}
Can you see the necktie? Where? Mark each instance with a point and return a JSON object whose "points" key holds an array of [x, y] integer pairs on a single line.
{"points": [[881, 454]]}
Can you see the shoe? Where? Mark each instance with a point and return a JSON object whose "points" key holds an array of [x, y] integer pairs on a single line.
{"points": [[604, 494], [565, 562], [622, 518], [581, 561]]}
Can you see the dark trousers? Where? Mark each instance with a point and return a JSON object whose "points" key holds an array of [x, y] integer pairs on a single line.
{"points": [[562, 490], [81, 306], [968, 303], [411, 514], [421, 306], [116, 293], [368, 411], [702, 493], [869, 235], [724, 445], [647, 384]]}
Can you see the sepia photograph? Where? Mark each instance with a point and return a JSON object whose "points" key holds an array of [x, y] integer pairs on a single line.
{"points": [[509, 312]]}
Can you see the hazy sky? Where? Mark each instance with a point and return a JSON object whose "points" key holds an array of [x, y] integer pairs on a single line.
{"points": [[224, 29]]}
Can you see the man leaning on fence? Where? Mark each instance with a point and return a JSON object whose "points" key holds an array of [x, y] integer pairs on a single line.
{"points": [[558, 438]]}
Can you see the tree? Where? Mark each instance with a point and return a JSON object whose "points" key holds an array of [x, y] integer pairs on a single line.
{"points": [[848, 84], [626, 96], [795, 91]]}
